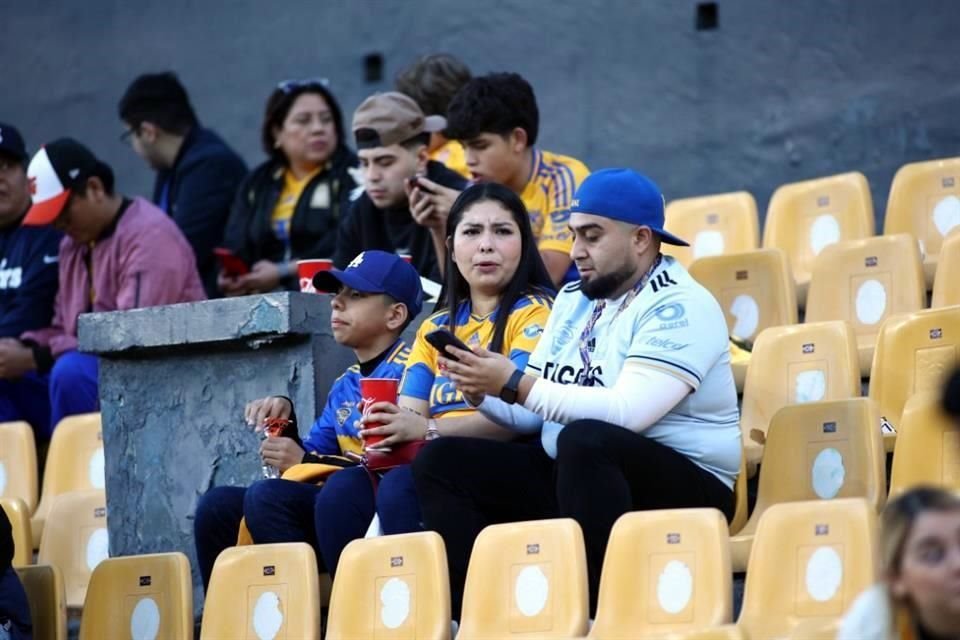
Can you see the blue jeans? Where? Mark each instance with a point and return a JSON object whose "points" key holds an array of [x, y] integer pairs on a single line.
{"points": [[44, 399], [14, 609], [326, 517]]}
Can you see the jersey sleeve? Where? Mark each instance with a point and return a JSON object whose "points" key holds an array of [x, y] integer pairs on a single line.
{"points": [[683, 334], [556, 234], [524, 329], [322, 438], [421, 369]]}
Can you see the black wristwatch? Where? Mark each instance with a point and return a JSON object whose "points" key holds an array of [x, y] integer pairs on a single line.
{"points": [[509, 392]]}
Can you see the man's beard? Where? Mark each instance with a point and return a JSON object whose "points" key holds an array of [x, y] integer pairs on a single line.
{"points": [[604, 286]]}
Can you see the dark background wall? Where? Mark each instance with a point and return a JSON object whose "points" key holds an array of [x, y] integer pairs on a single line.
{"points": [[779, 91]]}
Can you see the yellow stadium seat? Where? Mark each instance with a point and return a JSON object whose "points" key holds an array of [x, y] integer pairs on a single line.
{"points": [[817, 451], [865, 282], [148, 596], [925, 202], [713, 225], [795, 365], [22, 538], [928, 446], [915, 352], [45, 593], [805, 217], [75, 539], [391, 587], [809, 561], [755, 291], [18, 463], [664, 572], [740, 496], [946, 290], [526, 579], [263, 591], [74, 463]]}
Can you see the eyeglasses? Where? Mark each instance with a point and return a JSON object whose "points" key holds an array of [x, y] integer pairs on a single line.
{"points": [[129, 133], [292, 85]]}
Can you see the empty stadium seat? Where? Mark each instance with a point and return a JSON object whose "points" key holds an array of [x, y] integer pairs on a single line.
{"points": [[755, 291], [817, 451], [526, 578], [928, 446], [391, 587], [740, 496], [946, 290], [664, 572], [865, 282], [43, 585], [925, 202], [795, 365], [713, 225], [75, 539], [915, 352], [805, 217], [18, 463], [74, 462], [19, 517], [148, 596], [809, 561], [263, 591]]}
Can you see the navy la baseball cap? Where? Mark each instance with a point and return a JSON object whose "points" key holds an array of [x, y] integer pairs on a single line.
{"points": [[625, 195], [377, 272], [11, 143]]}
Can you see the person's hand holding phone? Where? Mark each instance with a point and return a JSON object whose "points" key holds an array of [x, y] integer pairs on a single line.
{"points": [[476, 373], [430, 203]]}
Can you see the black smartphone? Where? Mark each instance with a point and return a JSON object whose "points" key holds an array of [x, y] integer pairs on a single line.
{"points": [[441, 338], [415, 183]]}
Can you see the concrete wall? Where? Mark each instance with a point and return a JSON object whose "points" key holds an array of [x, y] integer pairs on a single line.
{"points": [[781, 91]]}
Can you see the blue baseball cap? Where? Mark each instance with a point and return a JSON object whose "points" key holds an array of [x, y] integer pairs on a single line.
{"points": [[377, 272], [625, 195]]}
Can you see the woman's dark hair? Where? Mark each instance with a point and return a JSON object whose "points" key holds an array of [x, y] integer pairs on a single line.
{"points": [[279, 104], [531, 276]]}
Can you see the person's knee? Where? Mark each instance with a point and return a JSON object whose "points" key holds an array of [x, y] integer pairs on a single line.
{"points": [[72, 368], [258, 501], [580, 439], [437, 457]]}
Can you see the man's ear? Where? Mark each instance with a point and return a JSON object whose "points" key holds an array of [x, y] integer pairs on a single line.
{"points": [[518, 139], [148, 132], [95, 191], [642, 238], [397, 315]]}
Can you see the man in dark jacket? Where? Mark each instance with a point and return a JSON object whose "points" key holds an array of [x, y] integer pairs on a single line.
{"points": [[392, 135], [197, 173], [28, 255]]}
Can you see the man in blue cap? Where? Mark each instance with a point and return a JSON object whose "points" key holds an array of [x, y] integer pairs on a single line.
{"points": [[630, 389], [376, 296]]}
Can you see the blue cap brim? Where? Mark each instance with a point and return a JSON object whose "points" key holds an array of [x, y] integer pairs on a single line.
{"points": [[330, 281], [669, 238]]}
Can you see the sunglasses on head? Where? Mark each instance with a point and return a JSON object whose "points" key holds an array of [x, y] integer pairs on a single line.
{"points": [[292, 85]]}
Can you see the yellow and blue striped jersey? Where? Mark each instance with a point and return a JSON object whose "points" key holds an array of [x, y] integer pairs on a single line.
{"points": [[547, 196], [422, 379], [453, 156], [334, 432]]}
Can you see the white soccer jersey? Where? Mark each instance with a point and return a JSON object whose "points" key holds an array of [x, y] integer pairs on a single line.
{"points": [[674, 326]]}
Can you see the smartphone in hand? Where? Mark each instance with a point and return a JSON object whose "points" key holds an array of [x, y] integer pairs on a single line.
{"points": [[231, 264], [440, 338]]}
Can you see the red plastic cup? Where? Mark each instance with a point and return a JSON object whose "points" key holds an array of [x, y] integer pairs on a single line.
{"points": [[373, 390], [306, 269]]}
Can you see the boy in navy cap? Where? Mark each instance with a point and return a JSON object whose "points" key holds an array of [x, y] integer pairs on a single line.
{"points": [[377, 295], [630, 389]]}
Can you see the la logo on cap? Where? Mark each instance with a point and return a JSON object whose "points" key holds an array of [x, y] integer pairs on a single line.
{"points": [[356, 262]]}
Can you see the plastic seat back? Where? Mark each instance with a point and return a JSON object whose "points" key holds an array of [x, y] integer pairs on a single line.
{"points": [[75, 540], [864, 282], [755, 290], [915, 352], [18, 463], [925, 202], [928, 446], [809, 561], [795, 365], [526, 578], [263, 591], [804, 218], [75, 462], [713, 225], [946, 291], [818, 451], [43, 585], [391, 587], [147, 596], [664, 572], [19, 517]]}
